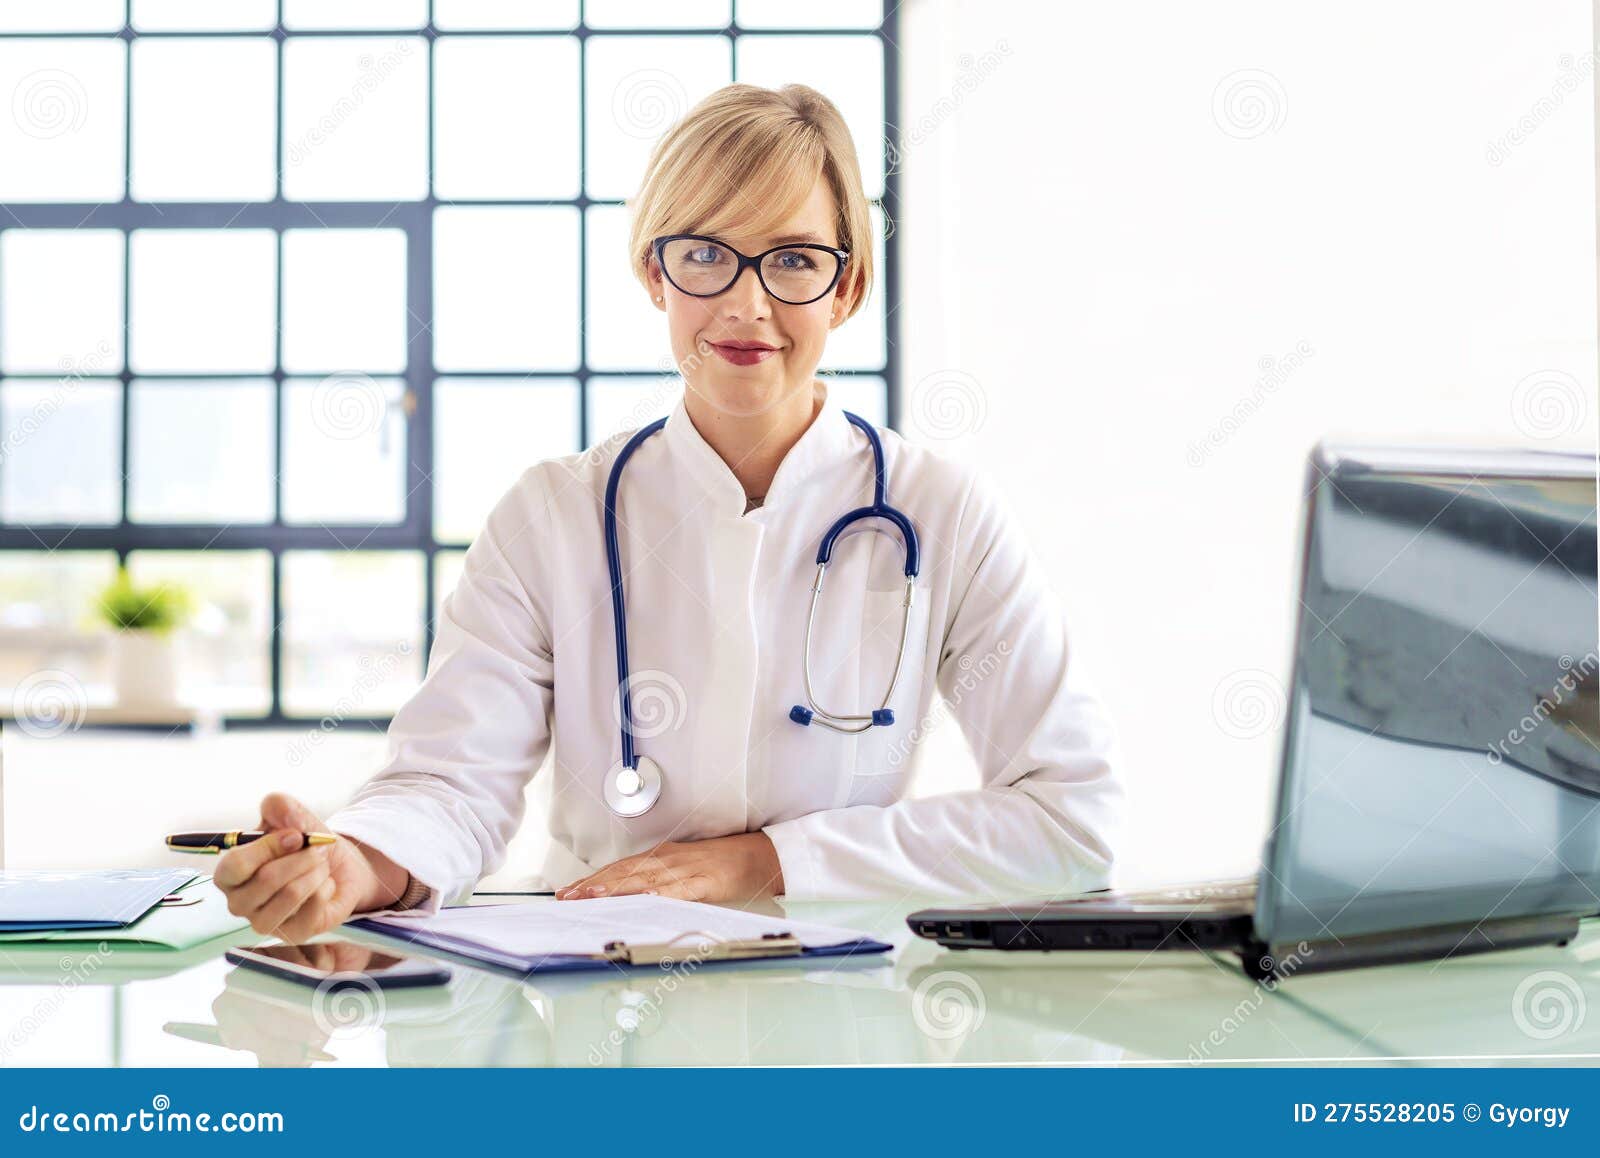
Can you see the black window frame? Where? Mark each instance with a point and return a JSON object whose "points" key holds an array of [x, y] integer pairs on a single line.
{"points": [[415, 534]]}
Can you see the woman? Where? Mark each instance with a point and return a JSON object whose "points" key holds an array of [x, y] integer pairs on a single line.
{"points": [[718, 520]]}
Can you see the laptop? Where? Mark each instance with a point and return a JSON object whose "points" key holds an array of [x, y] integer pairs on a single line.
{"points": [[1439, 788]]}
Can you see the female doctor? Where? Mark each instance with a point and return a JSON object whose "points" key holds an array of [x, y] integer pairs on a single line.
{"points": [[711, 739]]}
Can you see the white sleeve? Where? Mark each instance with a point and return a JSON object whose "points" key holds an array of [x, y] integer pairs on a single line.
{"points": [[463, 747], [1045, 820]]}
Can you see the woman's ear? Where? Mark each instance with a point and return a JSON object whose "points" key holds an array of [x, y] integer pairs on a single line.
{"points": [[657, 284], [844, 296]]}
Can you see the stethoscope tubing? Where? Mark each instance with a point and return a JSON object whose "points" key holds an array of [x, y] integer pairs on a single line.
{"points": [[878, 509], [614, 566]]}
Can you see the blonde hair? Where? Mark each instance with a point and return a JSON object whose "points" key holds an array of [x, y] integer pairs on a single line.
{"points": [[743, 161]]}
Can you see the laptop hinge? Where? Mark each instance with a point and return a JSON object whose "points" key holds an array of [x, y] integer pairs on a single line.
{"points": [[1290, 959]]}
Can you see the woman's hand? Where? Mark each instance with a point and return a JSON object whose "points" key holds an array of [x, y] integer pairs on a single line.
{"points": [[296, 893], [723, 870]]}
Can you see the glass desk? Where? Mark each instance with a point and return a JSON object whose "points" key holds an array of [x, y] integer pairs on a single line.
{"points": [[919, 1004]]}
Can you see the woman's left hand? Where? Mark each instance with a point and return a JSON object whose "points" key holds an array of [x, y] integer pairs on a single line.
{"points": [[722, 870]]}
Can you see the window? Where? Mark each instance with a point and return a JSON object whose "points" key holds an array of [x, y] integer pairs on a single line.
{"points": [[274, 343]]}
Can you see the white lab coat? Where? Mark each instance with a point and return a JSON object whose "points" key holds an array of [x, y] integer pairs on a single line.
{"points": [[716, 602]]}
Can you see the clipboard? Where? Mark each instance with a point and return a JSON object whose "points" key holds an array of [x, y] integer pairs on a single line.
{"points": [[696, 946], [37, 903]]}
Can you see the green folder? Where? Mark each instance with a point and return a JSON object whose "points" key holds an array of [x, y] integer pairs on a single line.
{"points": [[167, 926]]}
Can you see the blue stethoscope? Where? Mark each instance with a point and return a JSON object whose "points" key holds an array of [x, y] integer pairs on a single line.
{"points": [[634, 785]]}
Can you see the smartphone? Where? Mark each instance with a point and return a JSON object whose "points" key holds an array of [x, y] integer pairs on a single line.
{"points": [[340, 964]]}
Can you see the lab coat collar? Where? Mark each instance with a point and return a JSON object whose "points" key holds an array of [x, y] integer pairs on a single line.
{"points": [[825, 441]]}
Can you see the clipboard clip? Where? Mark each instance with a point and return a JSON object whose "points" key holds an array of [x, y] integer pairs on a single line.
{"points": [[707, 948]]}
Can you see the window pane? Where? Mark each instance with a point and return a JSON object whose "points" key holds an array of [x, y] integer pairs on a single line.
{"points": [[203, 299], [531, 84], [354, 13], [355, 118], [62, 460], [224, 658], [63, 139], [447, 568], [486, 433], [203, 15], [236, 120], [80, 16], [859, 343], [621, 405], [626, 331], [352, 631], [47, 625], [654, 14], [848, 69], [505, 282], [54, 591], [456, 14], [61, 300], [201, 452], [344, 300], [812, 14], [344, 450], [861, 394], [638, 87]]}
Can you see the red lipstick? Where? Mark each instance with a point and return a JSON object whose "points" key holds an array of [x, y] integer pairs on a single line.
{"points": [[743, 353]]}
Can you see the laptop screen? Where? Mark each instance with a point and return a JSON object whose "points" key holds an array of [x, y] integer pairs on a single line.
{"points": [[1442, 757]]}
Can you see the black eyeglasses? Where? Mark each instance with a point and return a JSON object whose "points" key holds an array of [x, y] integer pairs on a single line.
{"points": [[704, 267]]}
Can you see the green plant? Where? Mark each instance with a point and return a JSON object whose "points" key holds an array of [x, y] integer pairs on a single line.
{"points": [[128, 607]]}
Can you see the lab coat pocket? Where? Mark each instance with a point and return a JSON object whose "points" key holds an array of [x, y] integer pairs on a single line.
{"points": [[883, 753]]}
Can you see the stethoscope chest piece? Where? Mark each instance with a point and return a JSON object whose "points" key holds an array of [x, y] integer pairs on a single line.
{"points": [[633, 791]]}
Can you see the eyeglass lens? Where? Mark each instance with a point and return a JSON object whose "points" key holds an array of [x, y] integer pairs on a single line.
{"points": [[795, 276]]}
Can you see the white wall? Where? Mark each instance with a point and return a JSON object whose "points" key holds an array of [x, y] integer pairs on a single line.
{"points": [[121, 792], [1098, 256], [1103, 251]]}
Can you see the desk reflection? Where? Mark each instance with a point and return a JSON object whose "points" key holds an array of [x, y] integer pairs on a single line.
{"points": [[922, 1005]]}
